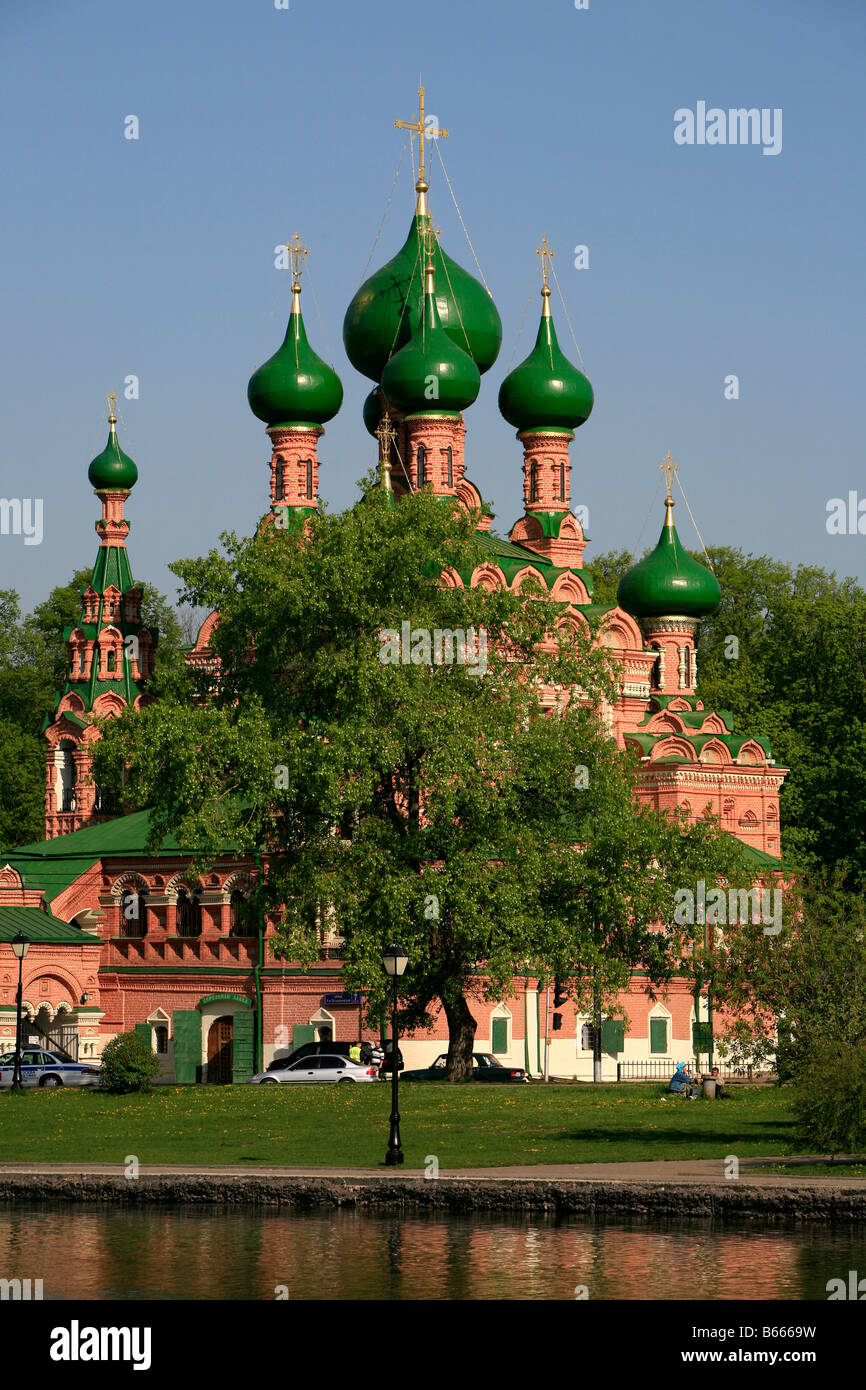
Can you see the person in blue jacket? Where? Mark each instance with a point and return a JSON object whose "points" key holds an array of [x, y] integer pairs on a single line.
{"points": [[681, 1080]]}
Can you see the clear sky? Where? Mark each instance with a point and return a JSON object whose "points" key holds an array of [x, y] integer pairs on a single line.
{"points": [[155, 257]]}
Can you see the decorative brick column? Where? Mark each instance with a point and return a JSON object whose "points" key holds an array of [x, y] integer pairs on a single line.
{"points": [[295, 466], [675, 671]]}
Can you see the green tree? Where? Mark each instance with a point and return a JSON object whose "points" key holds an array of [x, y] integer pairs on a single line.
{"points": [[409, 799]]}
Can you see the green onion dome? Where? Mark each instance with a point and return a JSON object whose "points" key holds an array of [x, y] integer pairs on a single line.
{"points": [[295, 387], [112, 470], [431, 374], [373, 410], [386, 310], [669, 583], [545, 391]]}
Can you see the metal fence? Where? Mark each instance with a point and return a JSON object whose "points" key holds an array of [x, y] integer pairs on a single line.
{"points": [[663, 1071]]}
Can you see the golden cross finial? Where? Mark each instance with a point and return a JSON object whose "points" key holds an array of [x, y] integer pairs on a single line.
{"points": [[297, 250], [545, 254], [670, 470], [386, 434], [419, 128], [112, 402]]}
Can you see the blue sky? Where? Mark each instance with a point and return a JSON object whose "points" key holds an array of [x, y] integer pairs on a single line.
{"points": [[155, 257]]}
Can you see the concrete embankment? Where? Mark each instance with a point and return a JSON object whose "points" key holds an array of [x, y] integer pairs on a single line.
{"points": [[825, 1200]]}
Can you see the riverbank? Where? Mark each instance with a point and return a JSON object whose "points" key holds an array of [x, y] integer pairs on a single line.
{"points": [[697, 1190]]}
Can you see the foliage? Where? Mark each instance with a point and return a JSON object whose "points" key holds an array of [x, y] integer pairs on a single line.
{"points": [[411, 801], [830, 1098], [128, 1065]]}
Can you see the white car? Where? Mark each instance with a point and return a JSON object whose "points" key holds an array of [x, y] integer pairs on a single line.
{"points": [[40, 1068], [315, 1069]]}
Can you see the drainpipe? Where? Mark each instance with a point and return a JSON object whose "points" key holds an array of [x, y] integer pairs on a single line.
{"points": [[257, 976], [526, 1026]]}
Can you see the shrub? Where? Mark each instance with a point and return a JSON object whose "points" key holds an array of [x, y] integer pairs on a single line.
{"points": [[830, 1099], [128, 1065]]}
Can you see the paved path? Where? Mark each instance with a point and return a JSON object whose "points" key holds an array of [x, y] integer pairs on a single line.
{"points": [[702, 1170]]}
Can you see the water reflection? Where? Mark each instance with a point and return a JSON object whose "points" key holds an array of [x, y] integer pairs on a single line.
{"points": [[173, 1252]]}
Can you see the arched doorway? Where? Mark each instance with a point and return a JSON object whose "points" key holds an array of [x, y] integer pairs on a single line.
{"points": [[220, 1050]]}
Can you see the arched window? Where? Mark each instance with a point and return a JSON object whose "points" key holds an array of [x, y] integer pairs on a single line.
{"points": [[421, 461], [280, 481], [188, 913], [133, 913], [533, 481], [67, 777], [308, 465], [238, 914], [562, 482], [160, 1039], [449, 465]]}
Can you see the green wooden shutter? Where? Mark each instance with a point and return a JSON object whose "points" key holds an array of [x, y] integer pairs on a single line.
{"points": [[243, 1059], [700, 1038], [145, 1032], [499, 1035], [302, 1033], [613, 1035], [186, 1027], [658, 1035]]}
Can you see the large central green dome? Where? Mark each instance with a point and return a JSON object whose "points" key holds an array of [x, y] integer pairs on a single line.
{"points": [[386, 311], [668, 583]]}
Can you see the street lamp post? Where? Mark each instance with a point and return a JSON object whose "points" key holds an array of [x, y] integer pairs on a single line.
{"points": [[20, 947], [395, 961]]}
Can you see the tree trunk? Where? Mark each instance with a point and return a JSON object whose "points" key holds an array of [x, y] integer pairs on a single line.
{"points": [[461, 1037]]}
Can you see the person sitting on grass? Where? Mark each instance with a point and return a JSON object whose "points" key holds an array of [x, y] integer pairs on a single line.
{"points": [[680, 1080]]}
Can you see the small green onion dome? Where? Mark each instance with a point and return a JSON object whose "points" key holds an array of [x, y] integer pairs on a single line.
{"points": [[431, 374], [668, 583], [112, 470], [386, 310], [373, 410], [545, 391], [295, 387]]}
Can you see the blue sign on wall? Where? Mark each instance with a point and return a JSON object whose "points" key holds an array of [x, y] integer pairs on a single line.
{"points": [[341, 998]]}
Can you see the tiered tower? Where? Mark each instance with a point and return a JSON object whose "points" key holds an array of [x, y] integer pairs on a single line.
{"points": [[110, 653]]}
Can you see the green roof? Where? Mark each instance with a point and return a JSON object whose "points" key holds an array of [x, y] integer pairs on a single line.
{"points": [[55, 864], [38, 926], [668, 582], [546, 391]]}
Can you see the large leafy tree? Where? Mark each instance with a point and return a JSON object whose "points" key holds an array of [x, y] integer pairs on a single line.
{"points": [[410, 799]]}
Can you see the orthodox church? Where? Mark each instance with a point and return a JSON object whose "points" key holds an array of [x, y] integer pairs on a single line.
{"points": [[124, 940]]}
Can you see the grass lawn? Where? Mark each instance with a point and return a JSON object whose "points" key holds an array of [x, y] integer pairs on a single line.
{"points": [[464, 1126]]}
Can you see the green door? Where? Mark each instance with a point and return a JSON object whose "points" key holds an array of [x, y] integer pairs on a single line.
{"points": [[658, 1035], [302, 1033], [499, 1035]]}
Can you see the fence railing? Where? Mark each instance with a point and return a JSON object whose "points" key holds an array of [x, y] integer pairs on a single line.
{"points": [[663, 1071]]}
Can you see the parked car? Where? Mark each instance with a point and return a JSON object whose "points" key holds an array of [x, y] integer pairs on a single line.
{"points": [[40, 1068], [315, 1069], [485, 1067], [370, 1053]]}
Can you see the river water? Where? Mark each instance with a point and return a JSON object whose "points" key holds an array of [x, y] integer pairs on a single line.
{"points": [[103, 1252]]}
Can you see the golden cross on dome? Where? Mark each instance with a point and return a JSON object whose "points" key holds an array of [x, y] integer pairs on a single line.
{"points": [[545, 254], [112, 402], [297, 250], [420, 128], [670, 470], [386, 434]]}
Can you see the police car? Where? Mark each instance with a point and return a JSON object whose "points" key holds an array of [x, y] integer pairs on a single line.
{"points": [[40, 1068]]}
